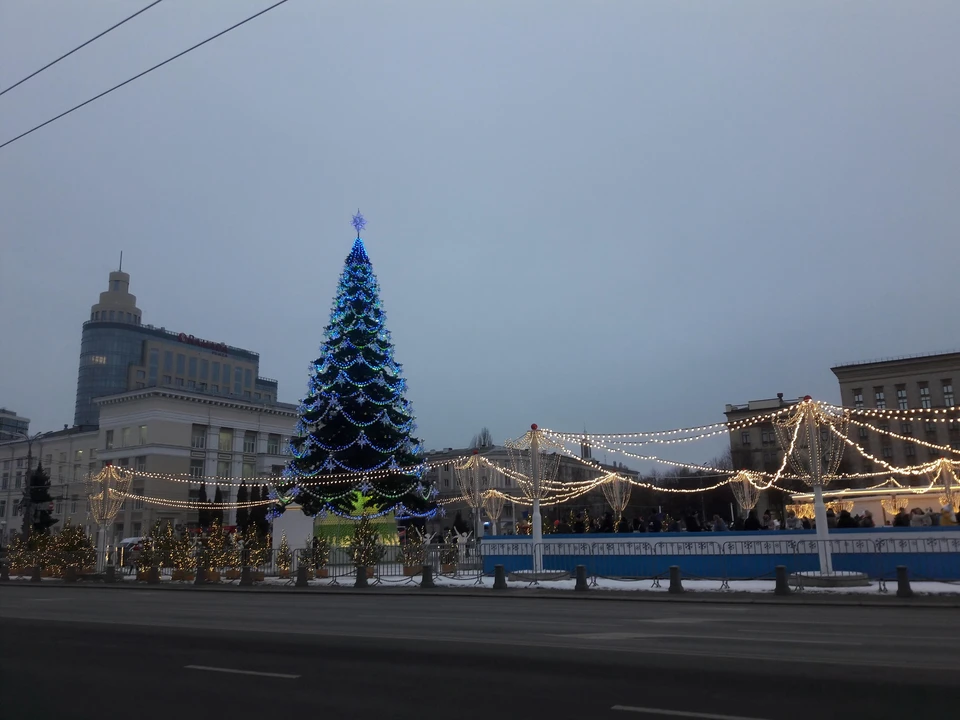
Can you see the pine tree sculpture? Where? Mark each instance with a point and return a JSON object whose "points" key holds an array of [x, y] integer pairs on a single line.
{"points": [[355, 430]]}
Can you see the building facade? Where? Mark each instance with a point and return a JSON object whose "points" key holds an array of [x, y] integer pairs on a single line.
{"points": [[12, 425], [172, 439], [118, 353], [755, 447], [897, 387]]}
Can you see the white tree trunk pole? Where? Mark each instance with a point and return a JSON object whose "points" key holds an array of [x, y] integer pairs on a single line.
{"points": [[823, 530], [101, 548], [537, 530], [477, 504]]}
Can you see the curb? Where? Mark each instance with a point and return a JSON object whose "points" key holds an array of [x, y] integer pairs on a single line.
{"points": [[731, 598]]}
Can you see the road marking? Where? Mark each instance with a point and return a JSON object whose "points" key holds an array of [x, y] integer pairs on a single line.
{"points": [[241, 672], [679, 713], [674, 636]]}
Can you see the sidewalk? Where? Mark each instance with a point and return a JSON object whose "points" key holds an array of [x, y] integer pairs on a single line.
{"points": [[695, 591]]}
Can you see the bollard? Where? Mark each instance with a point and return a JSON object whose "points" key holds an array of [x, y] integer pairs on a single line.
{"points": [[302, 576], [426, 582], [201, 576], [581, 578], [70, 574], [676, 586], [153, 576], [35, 574], [246, 578], [782, 587], [361, 577], [111, 575], [903, 582], [499, 578], [4, 573]]}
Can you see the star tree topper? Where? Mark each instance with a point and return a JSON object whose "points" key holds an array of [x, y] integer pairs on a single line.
{"points": [[359, 223]]}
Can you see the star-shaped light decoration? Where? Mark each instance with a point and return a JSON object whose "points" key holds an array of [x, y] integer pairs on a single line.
{"points": [[434, 492], [442, 511], [323, 513], [359, 223], [365, 487]]}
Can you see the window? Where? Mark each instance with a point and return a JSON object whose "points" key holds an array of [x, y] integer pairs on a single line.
{"points": [[63, 457], [59, 507], [204, 368], [223, 468], [202, 387], [168, 360], [198, 437], [191, 384], [879, 398], [226, 440], [142, 435], [910, 450], [273, 444], [108, 440], [78, 456], [215, 372], [137, 528], [140, 463], [124, 462], [934, 453], [906, 428], [250, 441], [506, 481], [902, 397], [179, 382], [113, 315], [138, 503], [4, 481], [256, 396], [744, 437], [930, 427], [76, 472], [47, 460], [167, 380], [954, 426], [925, 395], [446, 482], [248, 470], [887, 452], [226, 377], [196, 468], [192, 367], [863, 433], [767, 437], [247, 377], [126, 437], [948, 393], [3, 508], [858, 397], [181, 363], [73, 505], [215, 388], [237, 380], [246, 394]]}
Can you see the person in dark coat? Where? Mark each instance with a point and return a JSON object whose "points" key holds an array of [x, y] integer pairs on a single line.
{"points": [[752, 522], [846, 520], [902, 518]]}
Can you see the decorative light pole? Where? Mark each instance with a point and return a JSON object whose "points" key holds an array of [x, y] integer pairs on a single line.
{"points": [[493, 503], [813, 437], [106, 492], [944, 478], [616, 489], [468, 477], [745, 491], [536, 470]]}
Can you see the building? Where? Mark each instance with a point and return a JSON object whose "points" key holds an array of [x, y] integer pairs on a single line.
{"points": [[12, 425], [755, 446], [899, 386], [172, 439], [118, 353]]}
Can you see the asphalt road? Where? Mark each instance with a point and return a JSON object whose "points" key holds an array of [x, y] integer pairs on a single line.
{"points": [[79, 653]]}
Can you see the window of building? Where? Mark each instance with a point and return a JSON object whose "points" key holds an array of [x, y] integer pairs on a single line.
{"points": [[446, 482], [179, 382], [181, 363], [767, 437], [906, 428], [223, 468], [59, 507], [196, 468], [142, 435], [113, 315], [18, 479], [933, 453], [954, 426], [879, 398], [204, 368], [141, 375], [198, 436], [237, 380], [76, 472], [108, 440], [910, 450], [215, 388], [226, 377], [863, 433], [215, 372], [248, 470], [744, 437], [925, 396], [140, 386], [168, 361], [273, 444], [930, 427], [140, 463], [902, 397], [250, 441], [167, 380], [78, 456], [154, 364], [202, 387], [948, 393], [192, 367], [126, 437], [256, 396], [191, 384], [63, 456], [138, 502], [3, 508], [137, 528], [226, 439], [858, 397], [124, 462], [247, 377], [887, 452]]}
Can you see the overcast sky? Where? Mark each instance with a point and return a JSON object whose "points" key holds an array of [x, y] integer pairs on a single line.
{"points": [[618, 214]]}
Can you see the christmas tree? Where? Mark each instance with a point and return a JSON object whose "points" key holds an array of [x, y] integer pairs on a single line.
{"points": [[39, 517], [355, 430]]}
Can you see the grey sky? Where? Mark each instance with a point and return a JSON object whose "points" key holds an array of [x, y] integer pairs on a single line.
{"points": [[624, 214]]}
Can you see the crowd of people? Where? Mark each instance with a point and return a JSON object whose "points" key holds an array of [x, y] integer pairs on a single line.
{"points": [[925, 518]]}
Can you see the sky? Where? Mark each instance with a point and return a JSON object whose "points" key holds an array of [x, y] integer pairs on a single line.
{"points": [[615, 215]]}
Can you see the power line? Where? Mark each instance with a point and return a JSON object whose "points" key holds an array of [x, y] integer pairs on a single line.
{"points": [[140, 75], [78, 47]]}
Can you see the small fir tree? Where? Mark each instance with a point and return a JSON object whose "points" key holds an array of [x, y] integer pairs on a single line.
{"points": [[355, 418], [366, 547], [217, 549], [413, 551], [318, 551], [38, 517], [284, 554], [72, 547], [183, 553]]}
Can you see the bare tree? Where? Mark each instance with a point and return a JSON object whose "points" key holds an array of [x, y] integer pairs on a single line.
{"points": [[482, 439]]}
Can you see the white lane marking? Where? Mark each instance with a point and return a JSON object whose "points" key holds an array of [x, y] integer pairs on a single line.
{"points": [[679, 713], [241, 672]]}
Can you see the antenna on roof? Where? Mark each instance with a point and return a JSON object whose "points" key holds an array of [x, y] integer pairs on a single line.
{"points": [[121, 261]]}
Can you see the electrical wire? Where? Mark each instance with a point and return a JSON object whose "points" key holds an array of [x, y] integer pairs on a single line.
{"points": [[140, 75], [79, 47]]}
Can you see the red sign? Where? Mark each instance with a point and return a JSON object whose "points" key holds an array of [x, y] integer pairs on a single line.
{"points": [[209, 344]]}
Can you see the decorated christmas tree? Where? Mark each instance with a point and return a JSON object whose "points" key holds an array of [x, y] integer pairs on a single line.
{"points": [[355, 431]]}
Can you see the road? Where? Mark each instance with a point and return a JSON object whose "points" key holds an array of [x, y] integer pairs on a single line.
{"points": [[81, 652]]}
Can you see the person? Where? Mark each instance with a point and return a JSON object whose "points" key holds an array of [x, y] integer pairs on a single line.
{"points": [[793, 522], [691, 521], [752, 522], [918, 518], [867, 520], [901, 519], [674, 524], [807, 525], [947, 515], [719, 525], [561, 527], [831, 518], [846, 520]]}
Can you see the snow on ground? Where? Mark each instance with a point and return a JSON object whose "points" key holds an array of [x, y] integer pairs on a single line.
{"points": [[603, 584]]}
